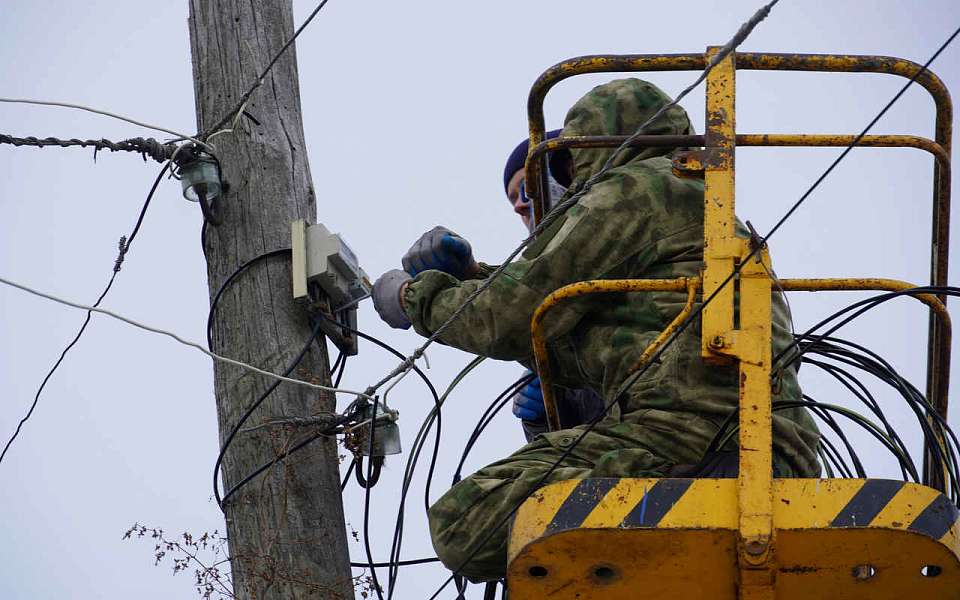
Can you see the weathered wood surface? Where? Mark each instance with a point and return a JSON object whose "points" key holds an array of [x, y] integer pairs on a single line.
{"points": [[286, 529]]}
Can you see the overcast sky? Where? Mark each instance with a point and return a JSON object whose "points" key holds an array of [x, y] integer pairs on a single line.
{"points": [[126, 430]]}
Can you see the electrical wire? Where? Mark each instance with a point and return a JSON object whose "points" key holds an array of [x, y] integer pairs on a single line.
{"points": [[366, 500], [626, 385], [487, 417], [401, 563], [858, 309], [849, 382], [561, 208], [158, 151], [299, 446], [852, 354], [343, 367], [412, 460], [104, 113], [229, 281], [418, 444], [238, 109], [247, 413], [415, 369], [125, 244], [346, 477], [179, 339], [939, 438], [366, 483], [854, 416]]}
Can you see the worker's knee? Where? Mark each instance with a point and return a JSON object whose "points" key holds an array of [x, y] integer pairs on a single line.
{"points": [[461, 527]]}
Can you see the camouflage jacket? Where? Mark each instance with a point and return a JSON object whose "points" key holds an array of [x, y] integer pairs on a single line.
{"points": [[637, 221]]}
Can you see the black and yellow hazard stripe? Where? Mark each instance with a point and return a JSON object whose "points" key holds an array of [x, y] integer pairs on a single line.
{"points": [[712, 504]]}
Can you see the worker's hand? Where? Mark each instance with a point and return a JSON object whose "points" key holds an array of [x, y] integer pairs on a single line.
{"points": [[528, 402], [386, 298], [441, 250]]}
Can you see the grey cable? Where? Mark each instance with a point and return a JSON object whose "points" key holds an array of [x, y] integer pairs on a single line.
{"points": [[555, 213], [176, 337], [104, 113]]}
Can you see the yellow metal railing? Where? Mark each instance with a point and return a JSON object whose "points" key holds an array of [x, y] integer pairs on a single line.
{"points": [[938, 350], [747, 344], [603, 286]]}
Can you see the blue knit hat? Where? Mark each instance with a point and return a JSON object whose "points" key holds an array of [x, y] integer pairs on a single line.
{"points": [[519, 157]]}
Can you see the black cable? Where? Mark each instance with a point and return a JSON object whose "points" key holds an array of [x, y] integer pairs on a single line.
{"points": [[861, 392], [124, 248], [881, 369], [436, 415], [158, 151], [409, 469], [343, 367], [401, 563], [229, 280], [412, 460], [875, 365], [246, 95], [246, 415], [299, 446], [366, 499], [336, 363], [867, 425], [416, 369], [861, 307], [721, 434], [839, 375], [346, 478], [829, 451], [827, 418], [368, 482], [487, 417], [696, 313]]}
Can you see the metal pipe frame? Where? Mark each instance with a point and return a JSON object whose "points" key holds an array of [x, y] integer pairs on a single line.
{"points": [[600, 286], [938, 374], [938, 349], [792, 140]]}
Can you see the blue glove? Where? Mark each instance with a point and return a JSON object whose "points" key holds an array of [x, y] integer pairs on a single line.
{"points": [[528, 402], [440, 250]]}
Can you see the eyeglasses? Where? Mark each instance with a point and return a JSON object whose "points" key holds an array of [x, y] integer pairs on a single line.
{"points": [[523, 192]]}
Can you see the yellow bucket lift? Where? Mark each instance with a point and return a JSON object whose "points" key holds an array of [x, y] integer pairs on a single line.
{"points": [[754, 537]]}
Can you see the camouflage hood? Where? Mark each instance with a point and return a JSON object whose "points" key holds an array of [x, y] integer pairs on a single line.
{"points": [[619, 108]]}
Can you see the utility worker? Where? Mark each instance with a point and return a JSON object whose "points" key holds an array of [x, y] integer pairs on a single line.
{"points": [[443, 250], [638, 220], [575, 406]]}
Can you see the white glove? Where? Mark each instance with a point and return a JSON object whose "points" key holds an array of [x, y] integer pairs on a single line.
{"points": [[386, 298]]}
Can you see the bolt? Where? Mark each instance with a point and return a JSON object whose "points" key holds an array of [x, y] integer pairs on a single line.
{"points": [[864, 572], [755, 547], [717, 342]]}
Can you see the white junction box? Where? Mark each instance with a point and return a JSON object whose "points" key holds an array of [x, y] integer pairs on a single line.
{"points": [[324, 259], [327, 279]]}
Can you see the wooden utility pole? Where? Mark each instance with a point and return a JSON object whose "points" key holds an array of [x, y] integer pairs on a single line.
{"points": [[285, 528]]}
